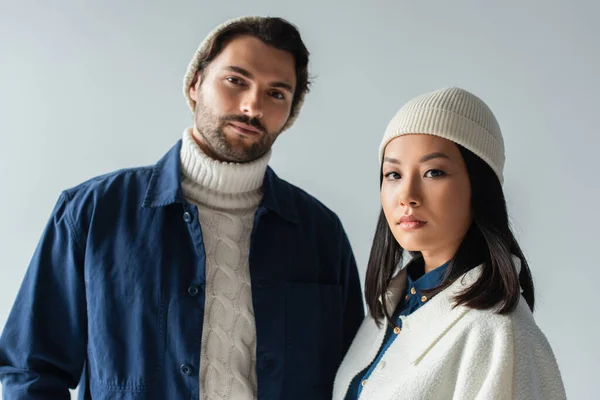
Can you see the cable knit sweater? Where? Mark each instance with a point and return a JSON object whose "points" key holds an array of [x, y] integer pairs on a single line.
{"points": [[227, 196], [446, 352]]}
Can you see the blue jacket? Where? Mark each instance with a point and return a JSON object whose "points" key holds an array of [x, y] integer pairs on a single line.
{"points": [[114, 296]]}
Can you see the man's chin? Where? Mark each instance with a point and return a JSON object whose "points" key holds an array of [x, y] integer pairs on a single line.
{"points": [[242, 152]]}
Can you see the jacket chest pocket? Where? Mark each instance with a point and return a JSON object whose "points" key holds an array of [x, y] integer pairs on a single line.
{"points": [[126, 328]]}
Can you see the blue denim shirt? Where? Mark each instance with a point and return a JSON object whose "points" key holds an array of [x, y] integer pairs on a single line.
{"points": [[114, 296]]}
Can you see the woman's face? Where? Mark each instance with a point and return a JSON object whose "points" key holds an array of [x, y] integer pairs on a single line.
{"points": [[426, 195]]}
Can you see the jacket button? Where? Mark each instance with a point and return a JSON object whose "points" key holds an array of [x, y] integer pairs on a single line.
{"points": [[266, 362], [187, 217], [185, 369], [193, 291], [262, 284]]}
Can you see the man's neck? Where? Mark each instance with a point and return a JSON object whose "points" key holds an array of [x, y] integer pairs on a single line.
{"points": [[218, 184]]}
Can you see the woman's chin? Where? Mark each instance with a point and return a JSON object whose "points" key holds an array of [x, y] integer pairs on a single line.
{"points": [[410, 242]]}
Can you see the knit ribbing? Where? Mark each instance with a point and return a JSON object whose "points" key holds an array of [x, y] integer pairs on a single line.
{"points": [[453, 114], [220, 185]]}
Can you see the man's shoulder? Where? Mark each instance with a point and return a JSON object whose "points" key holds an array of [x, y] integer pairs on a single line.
{"points": [[117, 183], [309, 206]]}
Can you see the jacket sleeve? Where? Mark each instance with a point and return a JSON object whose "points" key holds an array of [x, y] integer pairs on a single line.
{"points": [[354, 312], [536, 372], [509, 358], [43, 344]]}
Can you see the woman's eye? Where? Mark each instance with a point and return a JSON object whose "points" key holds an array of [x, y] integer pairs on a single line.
{"points": [[392, 175], [434, 173]]}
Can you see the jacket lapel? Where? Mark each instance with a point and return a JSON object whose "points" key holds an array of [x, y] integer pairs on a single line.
{"points": [[435, 319]]}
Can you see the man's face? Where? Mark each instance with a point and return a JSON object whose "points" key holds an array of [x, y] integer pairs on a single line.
{"points": [[243, 100]]}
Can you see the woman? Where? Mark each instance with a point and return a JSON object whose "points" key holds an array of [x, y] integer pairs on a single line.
{"points": [[456, 322]]}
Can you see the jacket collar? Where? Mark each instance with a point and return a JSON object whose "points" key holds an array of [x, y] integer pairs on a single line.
{"points": [[164, 187], [435, 318]]}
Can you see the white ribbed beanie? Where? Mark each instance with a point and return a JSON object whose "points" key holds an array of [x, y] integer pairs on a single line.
{"points": [[192, 68], [454, 114]]}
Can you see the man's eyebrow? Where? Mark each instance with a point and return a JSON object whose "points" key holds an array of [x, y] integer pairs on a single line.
{"points": [[240, 71]]}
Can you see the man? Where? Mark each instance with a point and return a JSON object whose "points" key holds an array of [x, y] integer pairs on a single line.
{"points": [[204, 276]]}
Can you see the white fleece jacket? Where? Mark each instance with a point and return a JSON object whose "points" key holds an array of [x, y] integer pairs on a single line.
{"points": [[454, 353]]}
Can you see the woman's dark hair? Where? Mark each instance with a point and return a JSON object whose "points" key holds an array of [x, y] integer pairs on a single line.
{"points": [[489, 241], [275, 32]]}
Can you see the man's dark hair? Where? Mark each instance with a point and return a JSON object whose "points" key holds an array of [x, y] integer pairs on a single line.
{"points": [[275, 32]]}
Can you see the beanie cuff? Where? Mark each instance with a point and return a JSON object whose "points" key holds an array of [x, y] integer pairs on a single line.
{"points": [[447, 125]]}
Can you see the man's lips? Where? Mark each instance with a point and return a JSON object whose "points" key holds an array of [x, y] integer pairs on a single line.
{"points": [[244, 128]]}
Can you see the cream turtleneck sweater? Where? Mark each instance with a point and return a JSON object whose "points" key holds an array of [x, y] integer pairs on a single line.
{"points": [[227, 196]]}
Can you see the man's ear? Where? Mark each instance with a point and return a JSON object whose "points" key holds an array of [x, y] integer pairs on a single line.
{"points": [[195, 85]]}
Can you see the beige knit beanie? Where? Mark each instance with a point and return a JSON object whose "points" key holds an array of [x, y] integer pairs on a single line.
{"points": [[453, 114], [192, 68]]}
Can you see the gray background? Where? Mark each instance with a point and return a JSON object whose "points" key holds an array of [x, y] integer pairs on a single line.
{"points": [[87, 87]]}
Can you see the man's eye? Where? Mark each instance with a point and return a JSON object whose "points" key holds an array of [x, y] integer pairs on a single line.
{"points": [[278, 95], [234, 80]]}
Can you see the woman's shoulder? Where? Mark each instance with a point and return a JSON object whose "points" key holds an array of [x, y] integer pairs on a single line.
{"points": [[519, 324]]}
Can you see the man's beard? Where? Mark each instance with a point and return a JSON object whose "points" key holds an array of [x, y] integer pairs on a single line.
{"points": [[211, 127]]}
